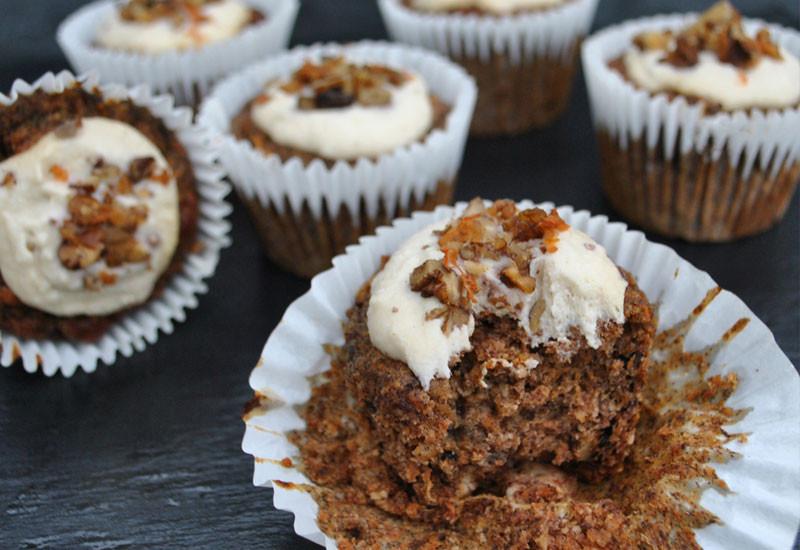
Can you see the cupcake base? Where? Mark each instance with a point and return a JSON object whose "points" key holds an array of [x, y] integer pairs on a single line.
{"points": [[693, 196], [305, 244], [516, 97]]}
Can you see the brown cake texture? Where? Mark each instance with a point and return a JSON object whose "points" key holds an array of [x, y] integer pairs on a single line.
{"points": [[299, 241], [697, 195], [577, 408], [28, 119]]}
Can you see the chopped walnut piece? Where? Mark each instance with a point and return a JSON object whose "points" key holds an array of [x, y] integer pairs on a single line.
{"points": [[68, 129], [766, 46], [76, 257], [511, 277], [334, 83], [9, 180], [452, 317], [432, 278], [141, 168], [718, 30], [653, 40]]}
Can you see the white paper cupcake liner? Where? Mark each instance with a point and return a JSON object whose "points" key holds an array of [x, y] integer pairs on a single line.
{"points": [[392, 179], [629, 114], [761, 512], [141, 327], [187, 75], [522, 37]]}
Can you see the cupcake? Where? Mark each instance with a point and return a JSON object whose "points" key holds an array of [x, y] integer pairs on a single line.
{"points": [[487, 376], [326, 143], [111, 217], [499, 337], [522, 53], [176, 46], [696, 118]]}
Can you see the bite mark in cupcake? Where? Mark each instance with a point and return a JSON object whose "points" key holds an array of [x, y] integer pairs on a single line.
{"points": [[527, 265]]}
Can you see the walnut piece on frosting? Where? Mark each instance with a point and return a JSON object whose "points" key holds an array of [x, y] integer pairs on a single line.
{"points": [[100, 228], [719, 30], [499, 233], [335, 83]]}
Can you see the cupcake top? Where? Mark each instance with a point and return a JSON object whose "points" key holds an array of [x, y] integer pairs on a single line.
{"points": [[89, 218], [157, 26], [716, 60], [341, 110], [529, 265], [496, 7]]}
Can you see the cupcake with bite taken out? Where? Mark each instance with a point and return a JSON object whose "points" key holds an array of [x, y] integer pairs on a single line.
{"points": [[696, 118], [326, 143]]}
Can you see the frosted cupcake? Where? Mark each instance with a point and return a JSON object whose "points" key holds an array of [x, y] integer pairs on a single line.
{"points": [[327, 143], [180, 46], [522, 53], [100, 201], [696, 120]]}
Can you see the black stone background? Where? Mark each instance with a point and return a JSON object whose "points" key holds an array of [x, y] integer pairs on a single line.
{"points": [[147, 452]]}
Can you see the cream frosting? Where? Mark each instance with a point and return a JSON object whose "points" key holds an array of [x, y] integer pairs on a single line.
{"points": [[396, 316], [33, 209], [348, 132], [576, 287], [223, 19], [491, 6], [771, 83]]}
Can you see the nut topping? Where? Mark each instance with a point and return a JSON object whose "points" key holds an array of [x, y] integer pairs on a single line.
{"points": [[334, 84], [718, 30], [473, 243], [101, 229], [9, 180]]}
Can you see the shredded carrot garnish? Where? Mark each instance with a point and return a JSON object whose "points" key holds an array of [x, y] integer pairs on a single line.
{"points": [[59, 173]]}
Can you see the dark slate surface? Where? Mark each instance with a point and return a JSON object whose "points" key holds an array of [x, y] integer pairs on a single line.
{"points": [[147, 452]]}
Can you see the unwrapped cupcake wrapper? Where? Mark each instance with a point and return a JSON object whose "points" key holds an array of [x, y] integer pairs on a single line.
{"points": [[761, 512], [307, 214], [135, 330], [672, 169], [188, 75]]}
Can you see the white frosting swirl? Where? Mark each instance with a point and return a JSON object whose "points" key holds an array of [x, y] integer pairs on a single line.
{"points": [[771, 83], [490, 6], [348, 132], [221, 20], [576, 286], [33, 209]]}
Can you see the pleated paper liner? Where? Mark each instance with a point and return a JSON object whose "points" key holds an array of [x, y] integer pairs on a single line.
{"points": [[306, 214], [669, 168], [762, 510], [524, 63], [143, 326], [187, 75]]}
